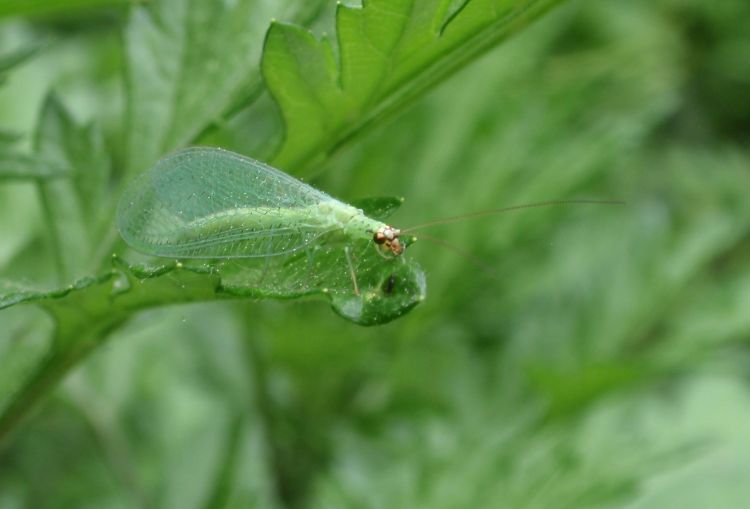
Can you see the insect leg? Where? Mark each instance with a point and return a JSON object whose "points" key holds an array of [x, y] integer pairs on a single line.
{"points": [[380, 252], [351, 270]]}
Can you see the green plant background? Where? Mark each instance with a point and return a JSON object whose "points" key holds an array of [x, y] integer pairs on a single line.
{"points": [[605, 365]]}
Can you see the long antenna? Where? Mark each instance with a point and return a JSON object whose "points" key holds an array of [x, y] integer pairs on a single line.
{"points": [[464, 253], [490, 212]]}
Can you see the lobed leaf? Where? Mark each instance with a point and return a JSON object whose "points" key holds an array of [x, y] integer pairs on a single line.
{"points": [[88, 309], [76, 207], [388, 53], [381, 207]]}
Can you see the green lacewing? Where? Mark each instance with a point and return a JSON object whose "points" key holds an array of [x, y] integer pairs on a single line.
{"points": [[206, 202], [211, 203]]}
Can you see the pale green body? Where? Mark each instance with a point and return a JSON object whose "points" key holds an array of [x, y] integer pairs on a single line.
{"points": [[211, 203]]}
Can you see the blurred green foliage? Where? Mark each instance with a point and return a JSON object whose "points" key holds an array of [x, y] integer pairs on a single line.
{"points": [[606, 366]]}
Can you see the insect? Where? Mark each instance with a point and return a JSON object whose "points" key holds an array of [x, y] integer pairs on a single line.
{"points": [[211, 203]]}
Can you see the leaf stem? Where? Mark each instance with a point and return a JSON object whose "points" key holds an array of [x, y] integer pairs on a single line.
{"points": [[46, 376], [69, 346], [111, 442], [287, 493], [219, 496]]}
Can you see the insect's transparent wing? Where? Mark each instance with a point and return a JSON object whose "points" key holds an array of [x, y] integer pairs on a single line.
{"points": [[210, 203]]}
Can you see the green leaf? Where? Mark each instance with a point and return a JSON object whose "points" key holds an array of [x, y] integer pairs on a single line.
{"points": [[14, 165], [82, 148], [389, 52], [387, 287], [87, 310], [14, 58], [183, 75], [380, 208], [46, 7], [76, 209], [8, 137]]}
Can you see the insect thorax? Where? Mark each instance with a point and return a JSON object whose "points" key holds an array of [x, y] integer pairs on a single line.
{"points": [[349, 219]]}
